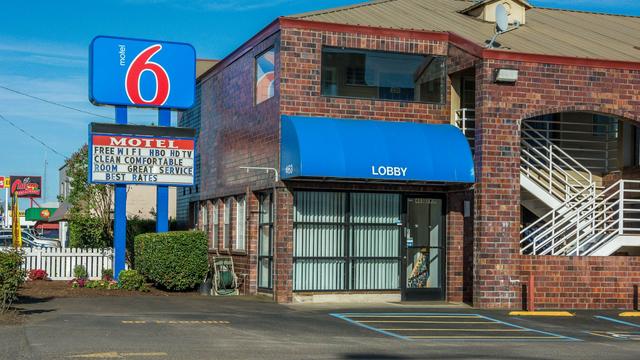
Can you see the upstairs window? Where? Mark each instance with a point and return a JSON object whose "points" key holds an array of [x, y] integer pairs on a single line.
{"points": [[265, 76], [382, 75]]}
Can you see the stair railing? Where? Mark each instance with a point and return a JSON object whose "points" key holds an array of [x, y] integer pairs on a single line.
{"points": [[551, 167], [588, 222]]}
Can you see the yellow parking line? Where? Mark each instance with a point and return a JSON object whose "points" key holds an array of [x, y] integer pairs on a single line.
{"points": [[541, 313], [487, 330], [629, 314], [480, 337], [425, 322]]}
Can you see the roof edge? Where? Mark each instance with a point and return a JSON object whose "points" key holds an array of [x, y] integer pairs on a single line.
{"points": [[451, 37]]}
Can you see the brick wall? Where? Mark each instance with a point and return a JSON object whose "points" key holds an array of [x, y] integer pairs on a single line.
{"points": [[540, 89], [300, 55], [582, 282], [234, 130]]}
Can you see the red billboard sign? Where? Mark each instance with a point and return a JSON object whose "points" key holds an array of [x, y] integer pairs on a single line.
{"points": [[26, 186]]}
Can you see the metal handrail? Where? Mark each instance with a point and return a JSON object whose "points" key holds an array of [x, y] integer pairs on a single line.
{"points": [[553, 160], [587, 224]]}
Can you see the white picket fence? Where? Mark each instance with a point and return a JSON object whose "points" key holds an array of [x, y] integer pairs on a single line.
{"points": [[59, 263]]}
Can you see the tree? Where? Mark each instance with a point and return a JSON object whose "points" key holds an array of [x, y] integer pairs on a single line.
{"points": [[91, 204]]}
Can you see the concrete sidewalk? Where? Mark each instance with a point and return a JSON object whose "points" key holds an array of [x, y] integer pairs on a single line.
{"points": [[250, 328]]}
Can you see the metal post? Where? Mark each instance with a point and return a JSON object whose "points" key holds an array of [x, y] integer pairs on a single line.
{"points": [[621, 208], [120, 212], [162, 191], [550, 169], [6, 207], [531, 294]]}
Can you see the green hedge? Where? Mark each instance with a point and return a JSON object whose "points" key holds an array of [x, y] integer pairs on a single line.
{"points": [[175, 260], [11, 277]]}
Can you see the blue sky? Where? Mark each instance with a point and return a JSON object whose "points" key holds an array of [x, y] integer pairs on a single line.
{"points": [[43, 52]]}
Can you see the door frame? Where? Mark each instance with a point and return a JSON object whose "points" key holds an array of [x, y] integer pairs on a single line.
{"points": [[428, 294]]}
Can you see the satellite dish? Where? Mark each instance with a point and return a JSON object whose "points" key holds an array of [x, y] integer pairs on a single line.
{"points": [[502, 18]]}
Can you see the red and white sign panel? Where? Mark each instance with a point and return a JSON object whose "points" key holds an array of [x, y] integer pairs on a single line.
{"points": [[133, 159]]}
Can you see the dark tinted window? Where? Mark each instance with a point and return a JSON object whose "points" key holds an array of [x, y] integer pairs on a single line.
{"points": [[381, 75]]}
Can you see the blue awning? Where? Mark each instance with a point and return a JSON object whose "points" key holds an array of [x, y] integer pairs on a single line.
{"points": [[366, 149]]}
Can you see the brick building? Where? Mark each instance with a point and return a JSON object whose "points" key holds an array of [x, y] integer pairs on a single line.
{"points": [[356, 117]]}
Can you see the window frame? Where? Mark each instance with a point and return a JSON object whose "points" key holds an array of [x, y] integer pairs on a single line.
{"points": [[227, 220], [255, 75], [445, 82], [204, 212], [215, 223], [261, 228], [348, 257], [241, 217]]}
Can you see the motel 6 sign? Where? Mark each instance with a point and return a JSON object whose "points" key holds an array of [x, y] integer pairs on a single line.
{"points": [[142, 73]]}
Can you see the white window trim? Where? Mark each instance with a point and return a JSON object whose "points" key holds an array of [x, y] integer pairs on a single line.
{"points": [[226, 221], [216, 225], [241, 221]]}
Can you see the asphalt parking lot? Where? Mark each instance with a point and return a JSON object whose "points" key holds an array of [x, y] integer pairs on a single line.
{"points": [[252, 328]]}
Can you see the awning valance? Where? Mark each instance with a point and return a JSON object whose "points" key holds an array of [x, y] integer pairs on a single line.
{"points": [[365, 149]]}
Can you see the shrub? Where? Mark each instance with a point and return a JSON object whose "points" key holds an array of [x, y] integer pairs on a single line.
{"points": [[101, 284], [107, 274], [11, 277], [132, 280], [88, 232], [37, 274], [80, 272], [173, 260]]}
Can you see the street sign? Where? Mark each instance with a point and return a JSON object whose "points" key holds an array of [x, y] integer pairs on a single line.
{"points": [[25, 186], [144, 73], [148, 155], [4, 182]]}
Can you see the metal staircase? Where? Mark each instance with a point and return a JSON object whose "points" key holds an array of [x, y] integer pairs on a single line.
{"points": [[584, 219]]}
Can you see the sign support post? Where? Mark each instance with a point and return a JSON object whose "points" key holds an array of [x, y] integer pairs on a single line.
{"points": [[6, 207], [162, 192], [120, 212]]}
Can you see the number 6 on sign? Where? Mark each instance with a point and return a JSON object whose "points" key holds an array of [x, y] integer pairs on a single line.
{"points": [[138, 66], [143, 73]]}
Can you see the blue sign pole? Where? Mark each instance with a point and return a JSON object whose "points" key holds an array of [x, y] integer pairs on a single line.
{"points": [[162, 192], [120, 212]]}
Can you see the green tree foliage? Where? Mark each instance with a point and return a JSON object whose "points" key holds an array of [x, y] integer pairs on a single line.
{"points": [[91, 204], [11, 277], [175, 260]]}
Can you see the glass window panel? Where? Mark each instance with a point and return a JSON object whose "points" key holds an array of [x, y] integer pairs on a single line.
{"points": [[382, 75], [320, 229], [375, 240], [265, 236], [240, 226], [423, 269], [264, 271], [375, 274], [319, 274], [265, 76]]}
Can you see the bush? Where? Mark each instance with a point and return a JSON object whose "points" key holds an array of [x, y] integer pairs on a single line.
{"points": [[88, 232], [107, 274], [102, 284], [37, 274], [80, 272], [173, 260], [132, 280], [11, 277]]}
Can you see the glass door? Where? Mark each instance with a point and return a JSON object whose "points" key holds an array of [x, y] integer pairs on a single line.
{"points": [[423, 252]]}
